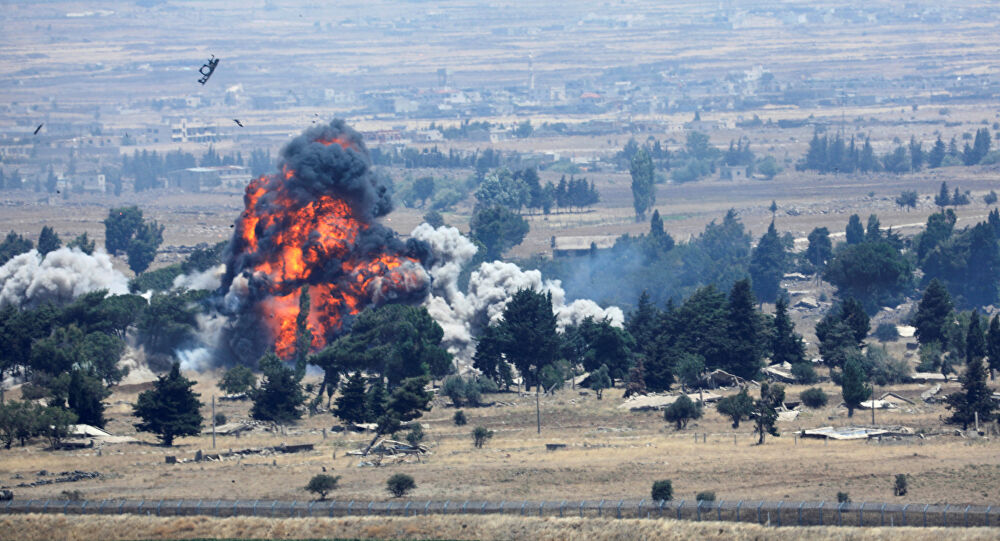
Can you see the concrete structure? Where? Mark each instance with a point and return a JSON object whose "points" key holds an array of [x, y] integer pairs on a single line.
{"points": [[198, 179], [580, 245]]}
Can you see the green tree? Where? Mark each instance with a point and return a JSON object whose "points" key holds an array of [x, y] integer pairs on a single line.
{"points": [[854, 388], [643, 183], [502, 189], [119, 228], [768, 167], [993, 345], [907, 199], [238, 380], [820, 248], [599, 380], [280, 393], [768, 262], [662, 491], [86, 396], [142, 248], [813, 397], [528, 329], [376, 400], [744, 329], [479, 436], [83, 243], [933, 313], [855, 231], [681, 411], [943, 198], [303, 336], [498, 229], [689, 368], [423, 189], [786, 344], [876, 273], [350, 405], [736, 407], [400, 484], [937, 154], [434, 219], [53, 423], [170, 409], [410, 400], [765, 410], [975, 398], [48, 241], [322, 484], [14, 245], [167, 323]]}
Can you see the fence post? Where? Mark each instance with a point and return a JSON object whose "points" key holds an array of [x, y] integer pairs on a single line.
{"points": [[178, 509], [619, 510], [292, 508], [158, 506], [540, 506], [311, 504], [840, 513], [861, 518], [946, 514], [700, 502], [988, 516], [444, 510], [235, 504], [882, 518], [798, 521], [600, 508], [99, 509], [561, 506], [501, 505], [925, 514], [370, 504], [718, 510], [427, 506], [83, 508], [482, 510], [523, 503], [66, 506], [820, 509], [638, 511], [759, 505], [738, 505], [349, 506], [44, 507], [464, 506], [581, 508], [661, 507], [406, 510], [121, 507], [778, 510], [139, 509], [967, 515], [904, 514], [679, 509]]}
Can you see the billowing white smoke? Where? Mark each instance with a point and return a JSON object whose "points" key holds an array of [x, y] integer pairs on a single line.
{"points": [[28, 280], [209, 279], [463, 315]]}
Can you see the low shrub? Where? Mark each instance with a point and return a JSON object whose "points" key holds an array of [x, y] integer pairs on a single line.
{"points": [[663, 490], [813, 398]]}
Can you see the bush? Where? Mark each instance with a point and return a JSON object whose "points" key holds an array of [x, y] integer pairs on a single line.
{"points": [[663, 490], [804, 373], [415, 435], [399, 484], [886, 332], [220, 419], [813, 398], [842, 497], [479, 436], [900, 488], [706, 496], [459, 418], [681, 411], [322, 484], [464, 391]]}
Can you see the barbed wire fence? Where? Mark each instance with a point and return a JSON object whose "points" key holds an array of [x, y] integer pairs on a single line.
{"points": [[771, 513]]}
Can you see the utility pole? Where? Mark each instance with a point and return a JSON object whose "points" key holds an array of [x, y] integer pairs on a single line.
{"points": [[213, 421], [873, 402], [538, 409]]}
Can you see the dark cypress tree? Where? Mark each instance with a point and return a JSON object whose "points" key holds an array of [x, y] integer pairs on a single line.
{"points": [[820, 248], [993, 345], [855, 232], [767, 265], [170, 408], [852, 312], [867, 162], [943, 198], [975, 396], [376, 400], [873, 234], [303, 335], [982, 268], [937, 154], [48, 241], [854, 388], [745, 358], [933, 313], [85, 396], [350, 405], [280, 394], [656, 225], [529, 330], [787, 345], [917, 155], [765, 411]]}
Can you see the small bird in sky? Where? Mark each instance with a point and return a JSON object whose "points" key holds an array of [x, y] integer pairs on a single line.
{"points": [[39, 128], [238, 123]]}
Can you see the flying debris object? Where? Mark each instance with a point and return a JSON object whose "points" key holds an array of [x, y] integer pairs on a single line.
{"points": [[39, 128], [210, 67], [238, 123]]}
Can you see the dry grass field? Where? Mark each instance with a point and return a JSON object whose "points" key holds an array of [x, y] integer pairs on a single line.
{"points": [[610, 454], [113, 528]]}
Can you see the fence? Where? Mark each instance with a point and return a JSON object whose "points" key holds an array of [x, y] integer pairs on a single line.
{"points": [[762, 512]]}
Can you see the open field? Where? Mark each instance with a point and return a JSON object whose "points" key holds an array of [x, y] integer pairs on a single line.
{"points": [[74, 528]]}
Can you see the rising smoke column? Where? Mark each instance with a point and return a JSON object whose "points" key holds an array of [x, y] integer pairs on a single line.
{"points": [[314, 224]]}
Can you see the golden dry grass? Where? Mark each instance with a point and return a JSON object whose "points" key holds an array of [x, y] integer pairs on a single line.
{"points": [[37, 527]]}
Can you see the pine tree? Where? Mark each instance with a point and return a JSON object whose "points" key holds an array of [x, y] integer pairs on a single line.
{"points": [[376, 400], [855, 231], [643, 187], [767, 265], [350, 405], [280, 394], [787, 345], [975, 397], [993, 345], [820, 248], [854, 388], [745, 355], [736, 407], [85, 396], [170, 408], [48, 241], [873, 234], [937, 154], [765, 410], [943, 198], [933, 313], [867, 162]]}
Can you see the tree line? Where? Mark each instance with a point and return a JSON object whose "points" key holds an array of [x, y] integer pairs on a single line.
{"points": [[831, 154]]}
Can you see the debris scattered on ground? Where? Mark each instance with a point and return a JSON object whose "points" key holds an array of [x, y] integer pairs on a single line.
{"points": [[64, 477], [855, 432], [659, 401], [930, 394], [264, 451]]}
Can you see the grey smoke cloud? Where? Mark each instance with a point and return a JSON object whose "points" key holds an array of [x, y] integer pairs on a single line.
{"points": [[29, 280]]}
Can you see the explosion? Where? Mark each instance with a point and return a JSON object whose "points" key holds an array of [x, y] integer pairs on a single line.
{"points": [[314, 224]]}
